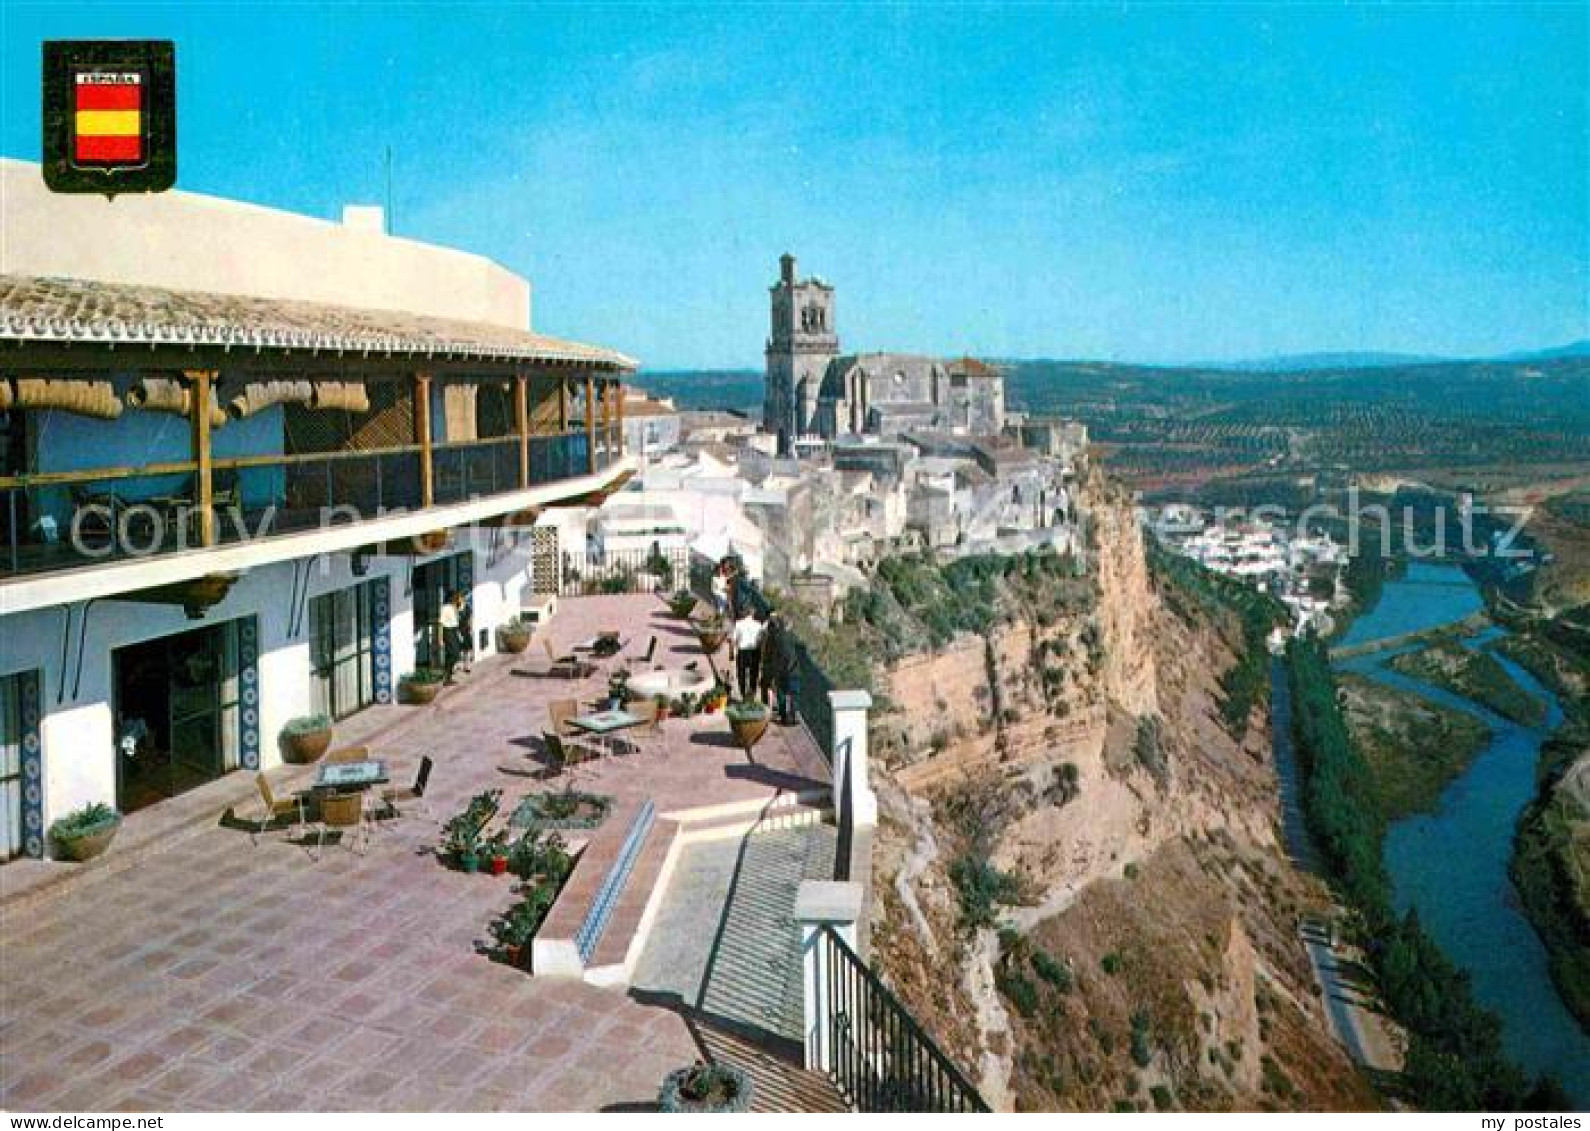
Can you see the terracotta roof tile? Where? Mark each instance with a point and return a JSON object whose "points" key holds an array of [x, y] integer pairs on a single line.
{"points": [[37, 309]]}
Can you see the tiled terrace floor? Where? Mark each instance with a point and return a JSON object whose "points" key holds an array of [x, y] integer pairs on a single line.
{"points": [[216, 974]]}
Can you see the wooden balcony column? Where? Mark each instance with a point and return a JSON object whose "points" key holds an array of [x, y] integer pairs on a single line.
{"points": [[563, 404], [421, 393], [590, 422], [521, 421], [618, 424], [201, 381]]}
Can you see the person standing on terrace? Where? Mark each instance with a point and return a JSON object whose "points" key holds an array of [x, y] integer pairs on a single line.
{"points": [[452, 639], [746, 640], [780, 675]]}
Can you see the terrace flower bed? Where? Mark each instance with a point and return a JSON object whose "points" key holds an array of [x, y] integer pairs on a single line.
{"points": [[568, 811]]}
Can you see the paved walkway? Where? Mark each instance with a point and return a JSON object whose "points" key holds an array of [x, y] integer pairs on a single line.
{"points": [[214, 974]]}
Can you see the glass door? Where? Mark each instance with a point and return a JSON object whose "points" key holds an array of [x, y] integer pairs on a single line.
{"points": [[10, 767], [434, 583], [342, 645], [196, 662]]}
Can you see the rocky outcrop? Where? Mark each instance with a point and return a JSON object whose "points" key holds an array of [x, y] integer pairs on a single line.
{"points": [[1151, 957]]}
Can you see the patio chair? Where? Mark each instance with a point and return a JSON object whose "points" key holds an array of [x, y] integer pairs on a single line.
{"points": [[568, 665], [560, 712], [343, 811], [649, 733], [650, 654], [415, 793], [347, 754], [566, 753], [275, 808]]}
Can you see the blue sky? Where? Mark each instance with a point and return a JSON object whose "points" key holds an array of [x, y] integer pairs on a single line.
{"points": [[1152, 183]]}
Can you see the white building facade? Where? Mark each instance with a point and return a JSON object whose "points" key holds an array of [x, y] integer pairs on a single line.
{"points": [[247, 455]]}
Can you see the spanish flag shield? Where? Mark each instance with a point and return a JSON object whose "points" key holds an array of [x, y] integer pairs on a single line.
{"points": [[108, 118]]}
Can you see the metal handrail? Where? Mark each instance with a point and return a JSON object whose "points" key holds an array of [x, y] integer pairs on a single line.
{"points": [[880, 1059]]}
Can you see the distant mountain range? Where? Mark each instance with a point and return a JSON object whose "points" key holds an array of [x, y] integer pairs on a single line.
{"points": [[1286, 363], [1305, 362]]}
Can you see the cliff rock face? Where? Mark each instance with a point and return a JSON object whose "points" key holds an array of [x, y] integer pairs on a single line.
{"points": [[1068, 824]]}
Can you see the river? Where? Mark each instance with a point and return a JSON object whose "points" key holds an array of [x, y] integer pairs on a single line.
{"points": [[1452, 864]]}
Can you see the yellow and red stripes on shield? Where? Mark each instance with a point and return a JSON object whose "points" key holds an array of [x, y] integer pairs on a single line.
{"points": [[109, 121]]}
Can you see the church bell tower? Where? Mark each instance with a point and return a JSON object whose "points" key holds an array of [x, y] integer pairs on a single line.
{"points": [[800, 345]]}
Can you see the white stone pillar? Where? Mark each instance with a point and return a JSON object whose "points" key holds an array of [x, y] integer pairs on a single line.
{"points": [[820, 903], [850, 726]]}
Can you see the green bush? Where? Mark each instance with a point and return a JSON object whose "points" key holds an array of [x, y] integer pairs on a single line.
{"points": [[1053, 971], [306, 724], [982, 889], [1111, 963], [86, 821], [1142, 1051], [1017, 988]]}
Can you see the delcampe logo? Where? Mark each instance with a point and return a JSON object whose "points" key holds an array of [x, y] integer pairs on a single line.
{"points": [[110, 116]]}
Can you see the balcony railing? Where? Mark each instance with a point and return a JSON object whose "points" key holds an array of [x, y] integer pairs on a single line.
{"points": [[60, 520], [879, 1058]]}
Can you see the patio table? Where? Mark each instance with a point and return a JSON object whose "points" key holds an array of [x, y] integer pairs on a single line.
{"points": [[351, 775], [606, 724]]}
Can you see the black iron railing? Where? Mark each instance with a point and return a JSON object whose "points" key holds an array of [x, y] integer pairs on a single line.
{"points": [[878, 1057], [61, 520], [624, 571]]}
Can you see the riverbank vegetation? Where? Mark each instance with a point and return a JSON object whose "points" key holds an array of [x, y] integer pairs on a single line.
{"points": [[1454, 1058], [1551, 862], [1193, 591], [1551, 850], [1414, 748], [1473, 675]]}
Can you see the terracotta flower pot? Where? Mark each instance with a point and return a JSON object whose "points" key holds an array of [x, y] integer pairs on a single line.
{"points": [[307, 746], [515, 640], [87, 847], [748, 731], [499, 865], [419, 693]]}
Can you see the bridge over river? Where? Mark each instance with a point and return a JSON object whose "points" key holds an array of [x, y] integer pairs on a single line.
{"points": [[1468, 626]]}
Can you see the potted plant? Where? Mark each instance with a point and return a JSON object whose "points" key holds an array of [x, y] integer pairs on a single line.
{"points": [[494, 851], [306, 738], [664, 706], [84, 833], [462, 834], [514, 635], [748, 720], [681, 603], [421, 685], [618, 688], [685, 705], [711, 632], [514, 929], [706, 1088]]}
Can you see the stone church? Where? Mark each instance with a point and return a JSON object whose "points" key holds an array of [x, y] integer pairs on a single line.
{"points": [[814, 390]]}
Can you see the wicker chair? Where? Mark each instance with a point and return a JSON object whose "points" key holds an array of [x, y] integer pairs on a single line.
{"points": [[276, 807], [348, 754]]}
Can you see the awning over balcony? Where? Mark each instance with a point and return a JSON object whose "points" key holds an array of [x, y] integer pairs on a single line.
{"points": [[76, 311]]}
